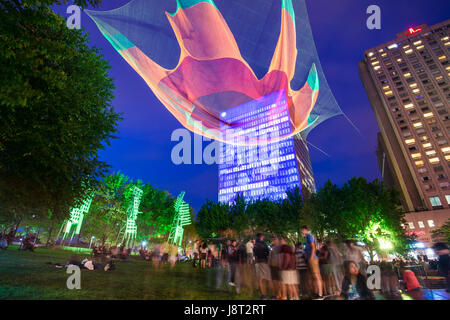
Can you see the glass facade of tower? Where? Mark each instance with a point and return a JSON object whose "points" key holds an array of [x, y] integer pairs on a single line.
{"points": [[264, 170]]}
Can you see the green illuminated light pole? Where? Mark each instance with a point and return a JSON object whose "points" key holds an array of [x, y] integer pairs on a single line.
{"points": [[182, 218], [132, 212]]}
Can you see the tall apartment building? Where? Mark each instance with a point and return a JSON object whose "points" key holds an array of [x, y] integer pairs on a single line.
{"points": [[407, 81]]}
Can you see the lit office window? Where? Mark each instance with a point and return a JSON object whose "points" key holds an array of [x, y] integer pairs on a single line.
{"points": [[421, 224], [411, 225], [447, 197], [434, 160], [431, 223], [435, 201]]}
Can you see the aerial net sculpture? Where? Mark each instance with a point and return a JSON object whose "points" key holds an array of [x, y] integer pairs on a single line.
{"points": [[73, 225], [181, 219], [203, 57], [133, 209]]}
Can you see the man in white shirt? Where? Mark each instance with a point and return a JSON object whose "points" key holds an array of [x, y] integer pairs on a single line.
{"points": [[249, 248]]}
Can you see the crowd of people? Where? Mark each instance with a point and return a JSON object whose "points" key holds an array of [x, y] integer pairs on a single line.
{"points": [[305, 270], [275, 267]]}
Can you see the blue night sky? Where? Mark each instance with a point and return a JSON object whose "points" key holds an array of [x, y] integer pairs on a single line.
{"points": [[341, 36]]}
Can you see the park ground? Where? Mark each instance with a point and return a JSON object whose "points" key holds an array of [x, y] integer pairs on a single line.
{"points": [[27, 275]]}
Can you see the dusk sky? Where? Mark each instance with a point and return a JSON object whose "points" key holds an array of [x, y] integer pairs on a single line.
{"points": [[339, 27]]}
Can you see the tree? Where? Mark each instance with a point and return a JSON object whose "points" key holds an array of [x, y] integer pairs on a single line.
{"points": [[213, 217], [158, 210], [55, 110], [108, 211], [361, 210], [442, 233]]}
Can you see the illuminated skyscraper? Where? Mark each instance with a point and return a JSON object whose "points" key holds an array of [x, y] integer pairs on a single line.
{"points": [[407, 81], [266, 170], [408, 85]]}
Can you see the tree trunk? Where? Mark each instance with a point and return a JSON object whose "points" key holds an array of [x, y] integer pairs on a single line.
{"points": [[17, 226], [49, 235], [369, 249]]}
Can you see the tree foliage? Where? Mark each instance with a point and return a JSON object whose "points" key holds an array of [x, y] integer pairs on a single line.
{"points": [[361, 210], [443, 233], [55, 110]]}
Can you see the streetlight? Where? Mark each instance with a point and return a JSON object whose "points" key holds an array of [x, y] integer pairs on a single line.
{"points": [[90, 243]]}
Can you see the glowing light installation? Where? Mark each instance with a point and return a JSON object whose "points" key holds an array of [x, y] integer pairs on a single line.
{"points": [[212, 75], [182, 218], [209, 58], [76, 218], [132, 212], [265, 170]]}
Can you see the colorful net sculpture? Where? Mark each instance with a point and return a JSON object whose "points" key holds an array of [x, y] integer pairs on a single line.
{"points": [[210, 56]]}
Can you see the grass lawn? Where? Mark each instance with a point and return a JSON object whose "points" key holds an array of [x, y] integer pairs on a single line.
{"points": [[25, 275]]}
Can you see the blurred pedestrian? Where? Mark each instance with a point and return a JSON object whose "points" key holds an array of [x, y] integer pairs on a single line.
{"points": [[302, 269], [203, 254], [313, 263], [173, 255], [442, 251], [249, 249], [274, 264], [288, 273], [261, 254]]}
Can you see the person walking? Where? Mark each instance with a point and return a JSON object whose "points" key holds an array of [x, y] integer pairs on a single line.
{"points": [[173, 255], [274, 264], [288, 273], [196, 252], [249, 248], [233, 257], [313, 263], [261, 253], [203, 254], [354, 253], [442, 251], [302, 269], [336, 261]]}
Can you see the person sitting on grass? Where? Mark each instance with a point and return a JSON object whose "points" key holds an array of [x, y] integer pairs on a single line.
{"points": [[3, 242], [354, 285], [27, 244]]}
